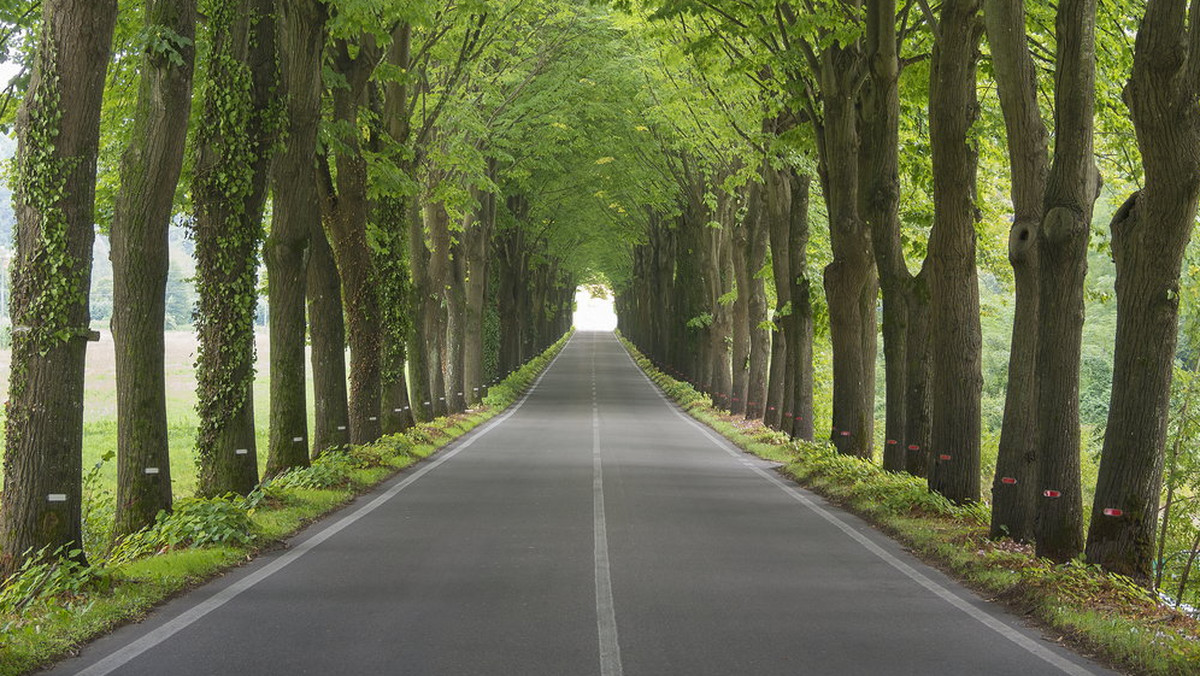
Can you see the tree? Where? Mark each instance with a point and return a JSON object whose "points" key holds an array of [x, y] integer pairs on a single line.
{"points": [[1014, 489], [953, 281], [1150, 233], [1071, 188], [58, 132], [235, 143], [296, 213], [150, 172]]}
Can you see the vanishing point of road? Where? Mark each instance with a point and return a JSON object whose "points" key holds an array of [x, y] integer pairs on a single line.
{"points": [[591, 529]]}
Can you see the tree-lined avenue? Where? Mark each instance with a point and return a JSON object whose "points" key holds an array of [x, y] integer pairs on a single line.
{"points": [[487, 559]]}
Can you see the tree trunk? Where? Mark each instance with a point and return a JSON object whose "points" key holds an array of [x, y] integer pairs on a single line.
{"points": [[740, 309], [1150, 234], [296, 212], [1071, 189], [395, 313], [879, 201], [392, 265], [476, 250], [436, 302], [1014, 487], [456, 319], [851, 285], [722, 334], [756, 309], [778, 201], [801, 348], [348, 208], [953, 281], [150, 172], [58, 128], [327, 333], [230, 190], [918, 378]]}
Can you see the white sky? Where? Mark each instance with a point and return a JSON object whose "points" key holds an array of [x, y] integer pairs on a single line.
{"points": [[594, 314]]}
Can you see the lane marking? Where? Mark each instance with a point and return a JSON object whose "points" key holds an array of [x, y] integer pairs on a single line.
{"points": [[1028, 644], [130, 651], [606, 614]]}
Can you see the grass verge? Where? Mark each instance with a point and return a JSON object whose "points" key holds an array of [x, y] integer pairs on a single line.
{"points": [[53, 606], [1100, 614]]}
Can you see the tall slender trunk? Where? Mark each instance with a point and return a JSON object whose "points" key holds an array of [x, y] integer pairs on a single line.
{"points": [[953, 280], [58, 128], [395, 313], [436, 302], [150, 172], [778, 200], [1150, 234], [722, 336], [296, 212], [1014, 487], [756, 311], [879, 202], [395, 285], [740, 309], [1071, 189], [851, 284], [348, 208], [478, 273], [918, 379], [235, 139], [456, 328], [327, 333], [801, 348]]}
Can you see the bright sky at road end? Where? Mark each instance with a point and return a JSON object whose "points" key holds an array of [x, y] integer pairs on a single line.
{"points": [[594, 313]]}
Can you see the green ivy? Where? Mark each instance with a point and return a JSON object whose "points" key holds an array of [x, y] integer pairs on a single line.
{"points": [[48, 282]]}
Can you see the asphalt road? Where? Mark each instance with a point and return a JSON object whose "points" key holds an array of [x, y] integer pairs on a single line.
{"points": [[593, 529]]}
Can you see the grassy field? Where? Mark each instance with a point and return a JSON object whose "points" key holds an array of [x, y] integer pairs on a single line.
{"points": [[100, 405]]}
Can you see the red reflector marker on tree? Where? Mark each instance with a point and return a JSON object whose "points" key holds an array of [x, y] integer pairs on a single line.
{"points": [[943, 457], [1008, 480], [1110, 511], [1052, 494]]}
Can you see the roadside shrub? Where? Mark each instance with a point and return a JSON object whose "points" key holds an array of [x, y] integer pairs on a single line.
{"points": [[195, 522], [45, 576]]}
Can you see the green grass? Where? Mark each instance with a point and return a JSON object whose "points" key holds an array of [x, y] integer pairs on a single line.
{"points": [[59, 618], [1104, 614]]}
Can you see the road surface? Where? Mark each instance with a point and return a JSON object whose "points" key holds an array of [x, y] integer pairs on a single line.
{"points": [[593, 529]]}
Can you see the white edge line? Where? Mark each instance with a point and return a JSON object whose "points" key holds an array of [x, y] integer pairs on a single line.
{"points": [[1030, 645], [129, 652]]}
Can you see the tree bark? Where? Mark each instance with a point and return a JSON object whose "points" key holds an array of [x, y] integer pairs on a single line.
{"points": [[1071, 189], [851, 284], [476, 250], [235, 140], [918, 379], [801, 349], [58, 129], [393, 265], [740, 309], [150, 171], [756, 308], [348, 210], [327, 333], [778, 200], [1014, 487], [1150, 233], [879, 202], [435, 301], [953, 281], [296, 212]]}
